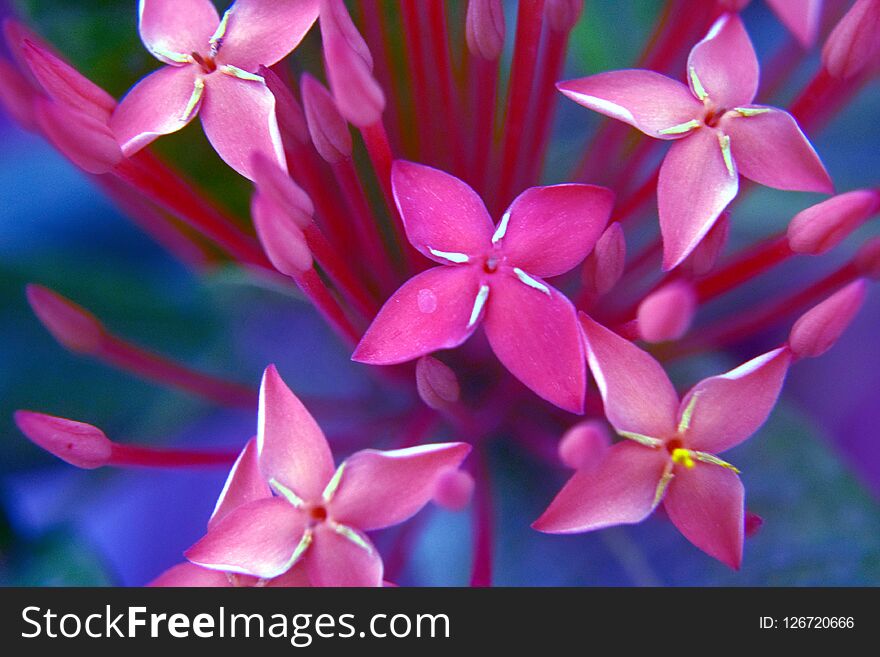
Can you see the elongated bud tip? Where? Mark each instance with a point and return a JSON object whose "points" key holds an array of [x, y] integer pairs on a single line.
{"points": [[77, 443], [484, 28], [436, 383], [291, 119], [72, 325], [816, 331], [454, 489], [855, 41], [703, 258], [282, 240], [327, 127], [583, 445], [753, 523], [17, 96], [85, 140], [562, 15], [666, 314], [604, 266], [823, 226], [867, 259], [281, 191]]}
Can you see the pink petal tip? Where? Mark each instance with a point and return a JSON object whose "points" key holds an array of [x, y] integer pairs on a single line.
{"points": [[76, 443], [816, 331]]}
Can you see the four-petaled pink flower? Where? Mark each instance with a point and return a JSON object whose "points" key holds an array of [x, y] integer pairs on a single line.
{"points": [[490, 271], [302, 511], [671, 454], [212, 65], [719, 133]]}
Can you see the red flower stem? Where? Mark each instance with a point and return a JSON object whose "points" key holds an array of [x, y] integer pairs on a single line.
{"points": [[529, 21], [692, 21], [425, 120], [753, 262], [369, 248], [148, 365], [630, 205], [404, 543], [726, 331], [484, 89], [339, 272], [438, 34], [781, 66], [167, 190], [131, 455], [316, 291], [481, 570]]}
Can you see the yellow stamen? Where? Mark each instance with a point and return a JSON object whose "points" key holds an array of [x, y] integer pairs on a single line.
{"points": [[697, 85], [683, 457]]}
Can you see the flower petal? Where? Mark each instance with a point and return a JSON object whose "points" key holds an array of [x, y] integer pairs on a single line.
{"points": [[157, 105], [188, 574], [176, 27], [638, 396], [646, 100], [261, 32], [431, 311], [694, 187], [335, 559], [259, 538], [292, 447], [552, 229], [706, 503], [439, 211], [298, 577], [620, 490], [380, 489], [535, 334], [801, 18], [724, 65], [239, 120], [244, 484], [727, 409], [770, 149]]}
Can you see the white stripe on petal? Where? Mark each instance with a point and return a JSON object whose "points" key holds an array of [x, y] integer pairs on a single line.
{"points": [[502, 228], [479, 302], [451, 256], [531, 282]]}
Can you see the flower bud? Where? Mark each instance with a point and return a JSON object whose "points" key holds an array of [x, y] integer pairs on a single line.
{"points": [[77, 443], [816, 331], [436, 383], [867, 259], [823, 226], [282, 240], [562, 15], [666, 313], [753, 523], [484, 28], [604, 266], [855, 41], [703, 258], [276, 186], [85, 140], [17, 96], [328, 129], [454, 489], [583, 445], [72, 325], [291, 120]]}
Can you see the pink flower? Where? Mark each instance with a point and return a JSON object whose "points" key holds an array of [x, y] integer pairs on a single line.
{"points": [[718, 133], [671, 454], [492, 273], [294, 507], [211, 71]]}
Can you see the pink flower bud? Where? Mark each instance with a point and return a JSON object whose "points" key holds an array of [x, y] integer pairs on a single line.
{"points": [[85, 140], [77, 443], [328, 129], [282, 240], [454, 489], [65, 85], [823, 226], [583, 444], [816, 331], [436, 383], [276, 186], [17, 96], [733, 5], [562, 15], [604, 266], [753, 523], [484, 28], [703, 258], [73, 326], [867, 259], [855, 41], [666, 314], [291, 119]]}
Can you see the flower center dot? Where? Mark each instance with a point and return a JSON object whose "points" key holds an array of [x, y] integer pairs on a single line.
{"points": [[318, 514], [207, 63], [491, 265]]}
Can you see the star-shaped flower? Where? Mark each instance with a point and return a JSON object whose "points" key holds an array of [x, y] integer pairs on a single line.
{"points": [[494, 274], [672, 452], [718, 133], [211, 71], [302, 511]]}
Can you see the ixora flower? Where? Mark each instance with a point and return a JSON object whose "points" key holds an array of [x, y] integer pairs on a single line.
{"points": [[211, 71], [493, 273], [718, 133], [285, 505], [671, 454]]}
